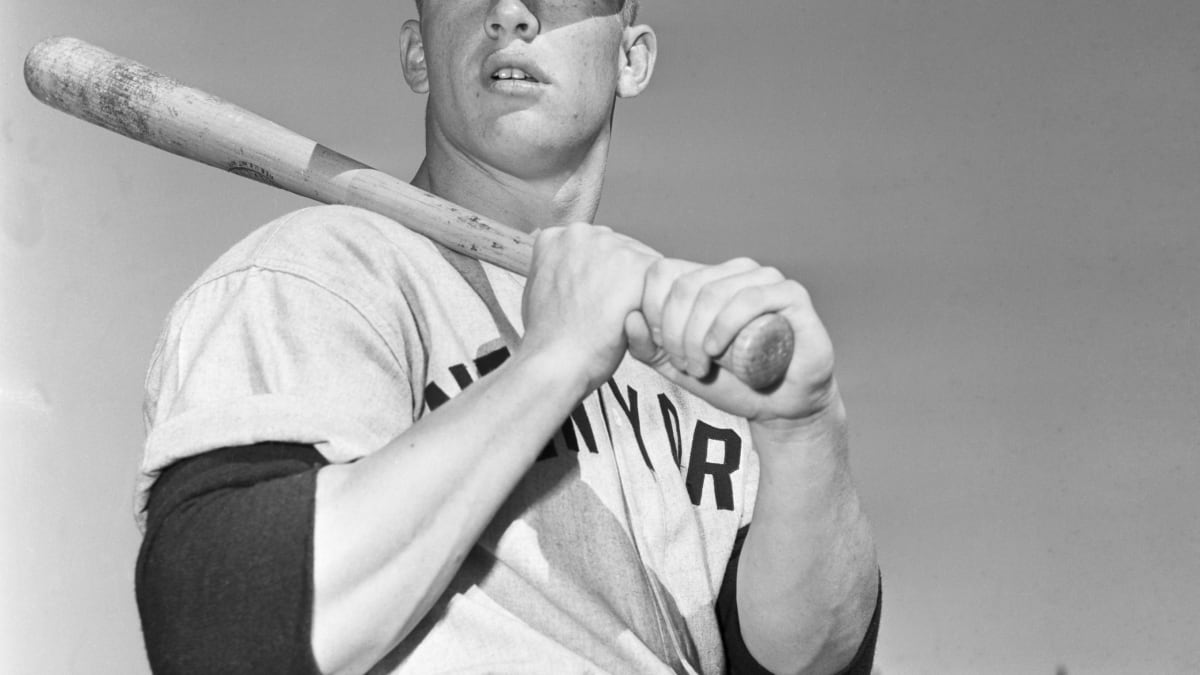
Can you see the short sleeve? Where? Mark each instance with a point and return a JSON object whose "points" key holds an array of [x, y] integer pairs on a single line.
{"points": [[259, 355]]}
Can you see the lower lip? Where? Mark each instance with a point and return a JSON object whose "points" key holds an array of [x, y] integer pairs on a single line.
{"points": [[515, 87]]}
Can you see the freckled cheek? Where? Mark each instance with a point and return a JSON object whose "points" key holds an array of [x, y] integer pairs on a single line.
{"points": [[597, 71]]}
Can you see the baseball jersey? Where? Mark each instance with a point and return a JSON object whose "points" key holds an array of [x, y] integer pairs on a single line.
{"points": [[338, 328]]}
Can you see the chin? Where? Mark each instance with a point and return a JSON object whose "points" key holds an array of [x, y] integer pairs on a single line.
{"points": [[537, 150]]}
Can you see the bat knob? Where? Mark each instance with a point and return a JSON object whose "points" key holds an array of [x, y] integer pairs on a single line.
{"points": [[761, 352]]}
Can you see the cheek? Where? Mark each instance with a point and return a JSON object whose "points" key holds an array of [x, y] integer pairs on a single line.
{"points": [[595, 64]]}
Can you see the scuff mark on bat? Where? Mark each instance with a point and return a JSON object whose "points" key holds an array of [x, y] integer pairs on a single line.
{"points": [[252, 171], [126, 91]]}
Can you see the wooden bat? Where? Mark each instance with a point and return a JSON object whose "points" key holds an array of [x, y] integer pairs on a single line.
{"points": [[126, 97]]}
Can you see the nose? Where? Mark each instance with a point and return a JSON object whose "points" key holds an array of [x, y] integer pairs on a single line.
{"points": [[512, 17]]}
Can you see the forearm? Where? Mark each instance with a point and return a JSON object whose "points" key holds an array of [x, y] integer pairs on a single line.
{"points": [[808, 578], [392, 529]]}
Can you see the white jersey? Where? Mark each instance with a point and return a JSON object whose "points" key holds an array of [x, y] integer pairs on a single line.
{"points": [[339, 328]]}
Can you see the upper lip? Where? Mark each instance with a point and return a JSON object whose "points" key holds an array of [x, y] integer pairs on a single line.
{"points": [[499, 60]]}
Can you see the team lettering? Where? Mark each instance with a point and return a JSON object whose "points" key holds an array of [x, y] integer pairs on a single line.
{"points": [[712, 458]]}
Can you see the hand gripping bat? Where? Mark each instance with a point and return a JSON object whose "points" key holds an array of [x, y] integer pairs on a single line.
{"points": [[130, 99]]}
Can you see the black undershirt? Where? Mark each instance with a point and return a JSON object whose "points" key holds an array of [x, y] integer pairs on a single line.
{"points": [[224, 575]]}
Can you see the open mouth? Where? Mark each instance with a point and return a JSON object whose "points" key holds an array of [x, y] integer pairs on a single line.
{"points": [[515, 74]]}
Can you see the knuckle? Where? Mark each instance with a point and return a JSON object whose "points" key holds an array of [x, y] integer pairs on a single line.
{"points": [[742, 263], [631, 260], [708, 296], [547, 237], [659, 270], [688, 284], [798, 291], [575, 232], [676, 293], [773, 273], [673, 266], [751, 295]]}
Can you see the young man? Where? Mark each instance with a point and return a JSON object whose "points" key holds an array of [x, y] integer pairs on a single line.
{"points": [[368, 453]]}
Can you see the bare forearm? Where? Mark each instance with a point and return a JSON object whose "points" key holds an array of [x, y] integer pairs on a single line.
{"points": [[808, 578], [392, 529]]}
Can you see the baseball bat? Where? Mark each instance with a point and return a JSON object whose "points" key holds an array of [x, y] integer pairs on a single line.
{"points": [[127, 97]]}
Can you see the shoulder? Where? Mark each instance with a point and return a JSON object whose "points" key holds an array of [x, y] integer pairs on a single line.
{"points": [[326, 244], [321, 280], [372, 263], [315, 269]]}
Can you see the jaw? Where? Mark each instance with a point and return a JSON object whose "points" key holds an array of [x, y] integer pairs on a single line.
{"points": [[525, 142], [521, 181], [523, 127]]}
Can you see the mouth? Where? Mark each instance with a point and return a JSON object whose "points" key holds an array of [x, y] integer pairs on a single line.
{"points": [[515, 74]]}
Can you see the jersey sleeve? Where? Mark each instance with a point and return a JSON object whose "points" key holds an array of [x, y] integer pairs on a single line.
{"points": [[260, 354], [224, 575]]}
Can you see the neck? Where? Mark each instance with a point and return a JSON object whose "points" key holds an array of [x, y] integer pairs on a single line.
{"points": [[567, 194]]}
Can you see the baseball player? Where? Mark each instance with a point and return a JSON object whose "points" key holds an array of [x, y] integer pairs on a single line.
{"points": [[366, 453]]}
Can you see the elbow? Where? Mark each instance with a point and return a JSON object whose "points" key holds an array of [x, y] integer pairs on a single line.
{"points": [[847, 645], [832, 635]]}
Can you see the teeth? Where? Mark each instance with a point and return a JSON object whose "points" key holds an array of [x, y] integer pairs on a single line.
{"points": [[512, 74]]}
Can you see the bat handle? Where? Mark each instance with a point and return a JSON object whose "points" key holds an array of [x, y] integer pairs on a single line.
{"points": [[761, 352]]}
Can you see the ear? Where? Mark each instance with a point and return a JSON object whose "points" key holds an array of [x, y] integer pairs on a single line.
{"points": [[412, 57], [639, 47]]}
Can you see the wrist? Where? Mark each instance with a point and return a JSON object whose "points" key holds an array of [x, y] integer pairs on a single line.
{"points": [[558, 372], [828, 412]]}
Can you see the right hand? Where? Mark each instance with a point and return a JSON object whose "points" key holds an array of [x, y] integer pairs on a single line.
{"points": [[583, 282]]}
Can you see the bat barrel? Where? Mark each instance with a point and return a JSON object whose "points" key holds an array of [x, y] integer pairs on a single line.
{"points": [[125, 96], [90, 83]]}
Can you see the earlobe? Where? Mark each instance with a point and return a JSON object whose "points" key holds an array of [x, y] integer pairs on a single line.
{"points": [[412, 57], [639, 47]]}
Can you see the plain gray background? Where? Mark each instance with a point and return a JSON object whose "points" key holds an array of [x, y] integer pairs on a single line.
{"points": [[995, 205]]}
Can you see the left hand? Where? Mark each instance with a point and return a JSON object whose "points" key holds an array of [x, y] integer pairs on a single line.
{"points": [[691, 313]]}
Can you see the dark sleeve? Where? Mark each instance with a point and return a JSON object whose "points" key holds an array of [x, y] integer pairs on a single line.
{"points": [[738, 659], [224, 575]]}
